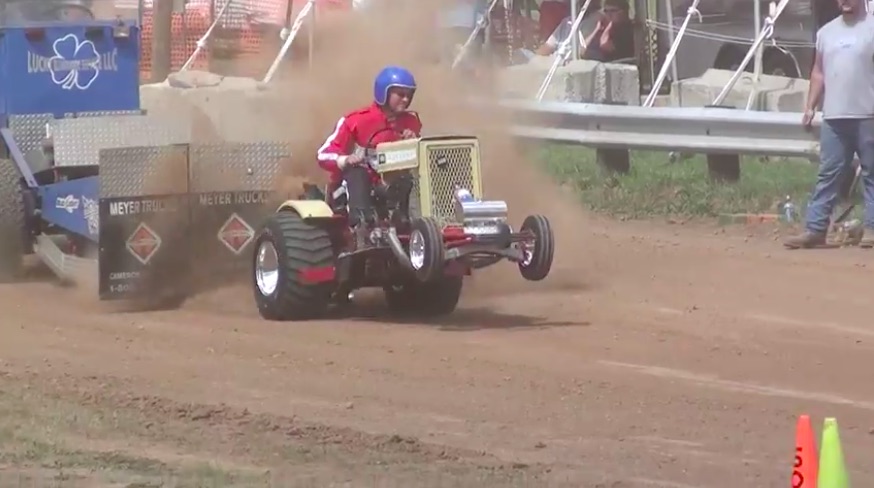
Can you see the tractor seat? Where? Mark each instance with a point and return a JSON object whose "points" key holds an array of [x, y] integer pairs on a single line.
{"points": [[313, 192]]}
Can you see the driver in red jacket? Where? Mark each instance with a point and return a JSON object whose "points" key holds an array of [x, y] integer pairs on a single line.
{"points": [[385, 120]]}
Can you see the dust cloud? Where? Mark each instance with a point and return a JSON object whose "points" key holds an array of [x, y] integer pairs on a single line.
{"points": [[350, 48]]}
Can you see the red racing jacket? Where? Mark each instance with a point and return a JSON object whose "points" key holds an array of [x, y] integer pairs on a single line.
{"points": [[354, 131]]}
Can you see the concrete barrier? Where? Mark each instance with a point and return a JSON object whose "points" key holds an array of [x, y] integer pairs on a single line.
{"points": [[225, 108], [774, 93], [578, 81]]}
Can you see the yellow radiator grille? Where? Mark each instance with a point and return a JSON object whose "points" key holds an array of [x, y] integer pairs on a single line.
{"points": [[448, 166]]}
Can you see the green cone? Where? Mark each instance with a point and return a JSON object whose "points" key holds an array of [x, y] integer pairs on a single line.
{"points": [[832, 471]]}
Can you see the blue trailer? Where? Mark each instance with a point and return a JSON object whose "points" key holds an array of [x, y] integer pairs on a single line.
{"points": [[102, 191]]}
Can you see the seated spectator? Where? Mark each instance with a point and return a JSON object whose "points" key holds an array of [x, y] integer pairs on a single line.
{"points": [[552, 13], [613, 38], [563, 31], [608, 35]]}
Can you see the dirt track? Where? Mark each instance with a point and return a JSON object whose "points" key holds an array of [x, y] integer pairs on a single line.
{"points": [[655, 356], [681, 359]]}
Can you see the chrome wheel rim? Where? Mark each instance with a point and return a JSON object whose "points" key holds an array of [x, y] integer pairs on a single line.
{"points": [[267, 269], [527, 254], [417, 249]]}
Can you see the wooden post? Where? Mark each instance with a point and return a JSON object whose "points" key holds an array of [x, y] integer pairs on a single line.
{"points": [[613, 160], [162, 39], [723, 168]]}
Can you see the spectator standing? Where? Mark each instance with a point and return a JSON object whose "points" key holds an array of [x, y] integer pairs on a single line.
{"points": [[842, 79]]}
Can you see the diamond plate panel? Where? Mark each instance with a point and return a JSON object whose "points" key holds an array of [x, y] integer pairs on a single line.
{"points": [[29, 130], [236, 166], [137, 171], [103, 113], [78, 141]]}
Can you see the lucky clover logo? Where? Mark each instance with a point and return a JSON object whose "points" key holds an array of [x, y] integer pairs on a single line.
{"points": [[75, 64]]}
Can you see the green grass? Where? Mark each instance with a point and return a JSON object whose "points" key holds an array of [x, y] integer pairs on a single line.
{"points": [[49, 442], [657, 187], [58, 436]]}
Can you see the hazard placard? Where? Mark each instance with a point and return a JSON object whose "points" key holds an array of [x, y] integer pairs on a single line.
{"points": [[236, 234], [144, 243]]}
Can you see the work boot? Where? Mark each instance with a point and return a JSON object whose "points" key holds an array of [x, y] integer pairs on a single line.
{"points": [[867, 241], [806, 240]]}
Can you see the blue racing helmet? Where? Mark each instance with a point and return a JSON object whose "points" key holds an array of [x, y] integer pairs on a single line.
{"points": [[391, 76]]}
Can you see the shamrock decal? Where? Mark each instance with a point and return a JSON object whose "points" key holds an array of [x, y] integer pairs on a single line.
{"points": [[75, 63]]}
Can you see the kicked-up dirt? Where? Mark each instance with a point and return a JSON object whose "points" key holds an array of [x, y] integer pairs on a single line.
{"points": [[680, 357]]}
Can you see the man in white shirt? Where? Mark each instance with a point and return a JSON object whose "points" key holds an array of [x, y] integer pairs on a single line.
{"points": [[563, 31], [842, 79]]}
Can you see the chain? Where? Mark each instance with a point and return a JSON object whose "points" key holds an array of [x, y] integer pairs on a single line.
{"points": [[511, 31]]}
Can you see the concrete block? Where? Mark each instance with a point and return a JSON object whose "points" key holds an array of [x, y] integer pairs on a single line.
{"points": [[574, 82], [773, 93], [791, 99], [193, 79], [617, 83], [221, 108], [578, 81], [660, 100]]}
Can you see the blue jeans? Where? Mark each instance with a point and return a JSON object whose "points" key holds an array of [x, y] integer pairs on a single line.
{"points": [[840, 140]]}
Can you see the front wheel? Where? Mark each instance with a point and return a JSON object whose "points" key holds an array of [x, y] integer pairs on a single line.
{"points": [[426, 249], [538, 252], [291, 257]]}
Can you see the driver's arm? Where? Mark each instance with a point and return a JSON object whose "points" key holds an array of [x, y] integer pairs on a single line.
{"points": [[413, 124], [334, 151]]}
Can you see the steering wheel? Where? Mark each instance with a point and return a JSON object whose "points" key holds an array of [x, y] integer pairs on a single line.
{"points": [[370, 147]]}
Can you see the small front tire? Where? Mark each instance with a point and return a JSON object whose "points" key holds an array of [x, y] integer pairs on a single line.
{"points": [[537, 261], [426, 251], [286, 246]]}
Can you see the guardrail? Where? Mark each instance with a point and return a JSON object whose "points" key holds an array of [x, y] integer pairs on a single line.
{"points": [[722, 133]]}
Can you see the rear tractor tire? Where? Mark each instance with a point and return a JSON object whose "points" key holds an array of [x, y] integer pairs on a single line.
{"points": [[426, 251], [286, 246], [537, 261], [432, 299], [11, 223]]}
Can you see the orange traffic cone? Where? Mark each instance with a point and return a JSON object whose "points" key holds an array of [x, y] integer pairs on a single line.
{"points": [[805, 471]]}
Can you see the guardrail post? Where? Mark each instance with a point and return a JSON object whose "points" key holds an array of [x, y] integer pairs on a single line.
{"points": [[723, 168], [614, 160]]}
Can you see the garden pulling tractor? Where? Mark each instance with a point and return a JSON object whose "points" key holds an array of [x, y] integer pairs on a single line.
{"points": [[429, 232]]}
